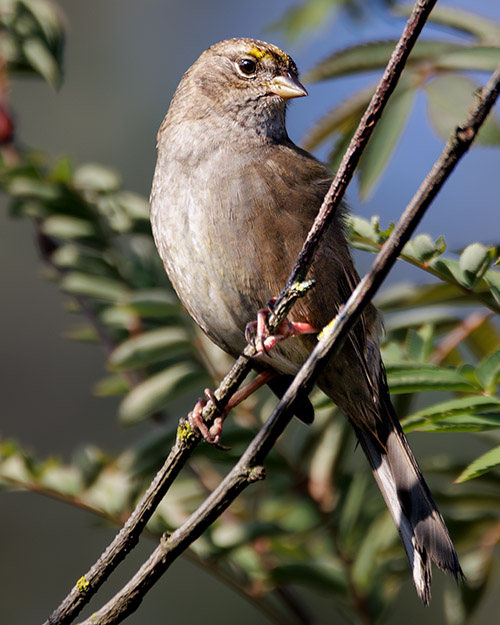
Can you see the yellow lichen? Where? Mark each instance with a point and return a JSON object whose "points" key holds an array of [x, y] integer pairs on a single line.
{"points": [[185, 432], [82, 584]]}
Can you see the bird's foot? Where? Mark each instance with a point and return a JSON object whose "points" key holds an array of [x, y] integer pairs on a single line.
{"points": [[213, 433], [257, 332]]}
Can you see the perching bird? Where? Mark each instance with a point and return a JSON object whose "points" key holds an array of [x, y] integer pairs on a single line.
{"points": [[232, 201]]}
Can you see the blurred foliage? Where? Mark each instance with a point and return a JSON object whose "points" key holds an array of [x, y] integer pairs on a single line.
{"points": [[32, 38], [306, 18], [317, 520], [442, 69]]}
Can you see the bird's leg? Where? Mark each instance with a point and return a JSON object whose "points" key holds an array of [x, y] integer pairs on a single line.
{"points": [[213, 433], [257, 331]]}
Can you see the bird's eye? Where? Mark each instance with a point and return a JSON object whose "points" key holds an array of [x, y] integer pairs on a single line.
{"points": [[247, 67]]}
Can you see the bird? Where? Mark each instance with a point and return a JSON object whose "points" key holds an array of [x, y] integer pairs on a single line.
{"points": [[232, 201]]}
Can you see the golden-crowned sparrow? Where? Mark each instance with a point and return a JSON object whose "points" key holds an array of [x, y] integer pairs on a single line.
{"points": [[232, 202]]}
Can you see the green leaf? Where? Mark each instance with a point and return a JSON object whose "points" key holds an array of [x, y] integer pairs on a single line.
{"points": [[66, 479], [488, 371], [94, 177], [339, 149], [379, 535], [112, 211], [422, 248], [112, 385], [47, 17], [62, 171], [24, 186], [66, 227], [449, 98], [84, 333], [93, 286], [155, 392], [481, 465], [42, 60], [492, 279], [135, 205], [153, 303], [483, 28], [474, 261], [449, 270], [306, 16], [462, 600], [472, 58], [420, 343], [110, 492], [385, 137], [472, 405], [352, 505], [478, 422], [343, 119], [149, 347], [328, 577], [484, 336], [374, 55], [404, 378], [10, 49], [71, 256]]}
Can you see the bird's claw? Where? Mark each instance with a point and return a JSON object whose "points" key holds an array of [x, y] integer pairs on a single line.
{"points": [[213, 433], [257, 333]]}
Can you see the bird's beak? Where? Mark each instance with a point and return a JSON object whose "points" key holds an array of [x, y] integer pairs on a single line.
{"points": [[287, 87]]}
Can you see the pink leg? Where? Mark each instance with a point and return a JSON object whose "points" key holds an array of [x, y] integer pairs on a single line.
{"points": [[264, 341], [212, 435]]}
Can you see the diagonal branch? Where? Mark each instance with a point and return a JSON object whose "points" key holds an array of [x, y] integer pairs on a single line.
{"points": [[249, 468], [186, 440]]}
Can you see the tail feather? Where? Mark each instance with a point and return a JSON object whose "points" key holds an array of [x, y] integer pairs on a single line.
{"points": [[419, 522]]}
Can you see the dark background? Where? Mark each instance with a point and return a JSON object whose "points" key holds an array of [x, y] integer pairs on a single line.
{"points": [[123, 60]]}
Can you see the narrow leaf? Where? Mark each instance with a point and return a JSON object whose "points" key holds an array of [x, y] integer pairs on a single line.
{"points": [[472, 58], [374, 55], [420, 343], [476, 422], [444, 410], [66, 227], [148, 348], [42, 60], [94, 177], [385, 137], [403, 378], [155, 392], [93, 286], [343, 119], [483, 464], [112, 385], [306, 16], [488, 371], [466, 21], [474, 261], [449, 98]]}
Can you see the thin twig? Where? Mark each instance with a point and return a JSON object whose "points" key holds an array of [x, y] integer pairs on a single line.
{"points": [[183, 447], [459, 334], [249, 468]]}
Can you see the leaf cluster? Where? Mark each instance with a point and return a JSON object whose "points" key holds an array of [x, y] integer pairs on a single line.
{"points": [[32, 38], [442, 70]]}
